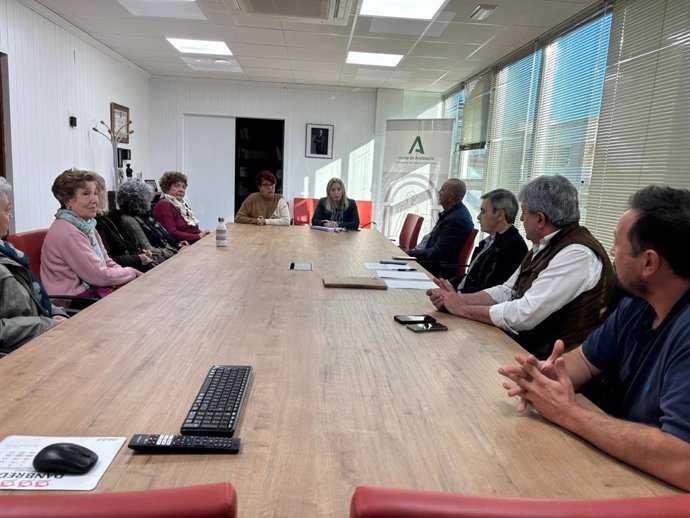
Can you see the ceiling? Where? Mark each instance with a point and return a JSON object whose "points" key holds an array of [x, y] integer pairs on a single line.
{"points": [[438, 54]]}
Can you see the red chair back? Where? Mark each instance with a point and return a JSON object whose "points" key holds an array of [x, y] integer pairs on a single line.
{"points": [[465, 252], [410, 231], [305, 208], [380, 502], [30, 243], [209, 501]]}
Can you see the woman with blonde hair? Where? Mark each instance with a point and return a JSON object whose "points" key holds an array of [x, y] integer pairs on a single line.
{"points": [[336, 209], [73, 258]]}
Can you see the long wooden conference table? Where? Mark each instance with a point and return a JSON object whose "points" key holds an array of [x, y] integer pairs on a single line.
{"points": [[341, 395]]}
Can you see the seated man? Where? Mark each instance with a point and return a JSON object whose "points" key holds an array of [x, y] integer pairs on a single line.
{"points": [[563, 287], [444, 242], [498, 255], [643, 347]]}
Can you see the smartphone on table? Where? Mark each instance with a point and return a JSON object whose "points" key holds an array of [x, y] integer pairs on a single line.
{"points": [[426, 327], [413, 319]]}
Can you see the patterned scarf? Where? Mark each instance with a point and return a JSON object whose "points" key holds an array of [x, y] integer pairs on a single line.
{"points": [[88, 228], [39, 294], [184, 210]]}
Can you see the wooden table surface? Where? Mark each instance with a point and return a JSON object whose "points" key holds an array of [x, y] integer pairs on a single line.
{"points": [[341, 394]]}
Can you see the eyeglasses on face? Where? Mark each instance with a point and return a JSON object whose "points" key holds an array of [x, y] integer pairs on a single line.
{"points": [[267, 185]]}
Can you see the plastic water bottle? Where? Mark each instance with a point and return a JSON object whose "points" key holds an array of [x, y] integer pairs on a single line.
{"points": [[221, 233]]}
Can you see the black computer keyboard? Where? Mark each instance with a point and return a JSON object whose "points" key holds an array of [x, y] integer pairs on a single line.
{"points": [[217, 407]]}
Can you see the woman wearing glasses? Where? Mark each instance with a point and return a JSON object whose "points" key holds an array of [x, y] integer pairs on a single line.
{"points": [[264, 207], [336, 209]]}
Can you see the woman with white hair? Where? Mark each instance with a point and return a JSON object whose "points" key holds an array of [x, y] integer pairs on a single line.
{"points": [[25, 308]]}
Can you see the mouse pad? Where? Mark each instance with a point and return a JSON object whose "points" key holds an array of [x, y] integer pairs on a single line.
{"points": [[17, 453]]}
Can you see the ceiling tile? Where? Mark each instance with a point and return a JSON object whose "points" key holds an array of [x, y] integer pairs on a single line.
{"points": [[312, 39], [259, 51], [457, 51], [382, 45], [316, 66], [463, 32], [312, 54]]}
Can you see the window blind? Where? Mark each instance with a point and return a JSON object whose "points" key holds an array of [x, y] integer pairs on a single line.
{"points": [[644, 129], [569, 104], [476, 112], [511, 135], [453, 108]]}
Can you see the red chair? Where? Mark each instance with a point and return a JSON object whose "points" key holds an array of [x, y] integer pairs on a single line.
{"points": [[209, 501], [460, 267], [30, 243], [305, 208], [379, 502], [410, 231]]}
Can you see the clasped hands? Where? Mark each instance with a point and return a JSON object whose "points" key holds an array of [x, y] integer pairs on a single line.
{"points": [[445, 297], [544, 385]]}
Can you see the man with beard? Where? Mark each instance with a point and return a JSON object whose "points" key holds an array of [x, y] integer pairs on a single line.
{"points": [[643, 348]]}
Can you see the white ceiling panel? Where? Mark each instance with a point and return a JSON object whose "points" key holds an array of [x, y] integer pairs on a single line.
{"points": [[437, 53]]}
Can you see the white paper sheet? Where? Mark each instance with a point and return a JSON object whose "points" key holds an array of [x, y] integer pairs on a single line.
{"points": [[379, 266], [387, 274], [412, 285], [17, 453]]}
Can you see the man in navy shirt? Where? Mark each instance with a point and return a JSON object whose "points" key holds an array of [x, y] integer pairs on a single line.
{"points": [[643, 348], [443, 243]]}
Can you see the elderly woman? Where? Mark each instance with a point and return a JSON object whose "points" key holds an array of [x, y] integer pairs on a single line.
{"points": [[137, 225], [25, 308], [264, 207], [122, 251], [73, 258], [336, 209], [173, 213]]}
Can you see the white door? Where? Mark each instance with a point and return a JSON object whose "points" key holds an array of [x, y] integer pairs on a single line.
{"points": [[209, 163]]}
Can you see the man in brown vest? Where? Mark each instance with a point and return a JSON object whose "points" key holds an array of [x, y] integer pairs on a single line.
{"points": [[564, 287], [642, 350]]}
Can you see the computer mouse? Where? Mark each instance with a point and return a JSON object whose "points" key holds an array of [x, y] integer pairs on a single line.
{"points": [[65, 457]]}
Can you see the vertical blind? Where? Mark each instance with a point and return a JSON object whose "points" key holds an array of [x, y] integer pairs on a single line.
{"points": [[644, 129], [569, 104], [476, 114], [453, 108], [515, 98]]}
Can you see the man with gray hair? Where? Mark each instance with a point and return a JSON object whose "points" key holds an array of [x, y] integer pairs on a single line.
{"points": [[563, 288], [498, 255]]}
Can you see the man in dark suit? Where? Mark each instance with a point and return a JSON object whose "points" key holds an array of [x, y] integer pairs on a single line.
{"points": [[443, 243], [497, 256]]}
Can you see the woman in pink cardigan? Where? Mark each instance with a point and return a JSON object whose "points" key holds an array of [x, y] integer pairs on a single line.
{"points": [[73, 258], [173, 213]]}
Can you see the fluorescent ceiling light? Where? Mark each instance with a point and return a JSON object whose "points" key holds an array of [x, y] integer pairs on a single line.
{"points": [[218, 48], [373, 58], [417, 9], [482, 11]]}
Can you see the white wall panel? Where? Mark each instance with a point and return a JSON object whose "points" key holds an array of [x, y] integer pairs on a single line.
{"points": [[352, 113], [55, 72]]}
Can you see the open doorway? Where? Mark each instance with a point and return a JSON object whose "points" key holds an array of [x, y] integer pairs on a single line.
{"points": [[259, 147]]}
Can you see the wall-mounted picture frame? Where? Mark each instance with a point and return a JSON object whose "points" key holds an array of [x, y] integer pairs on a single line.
{"points": [[319, 141], [119, 122]]}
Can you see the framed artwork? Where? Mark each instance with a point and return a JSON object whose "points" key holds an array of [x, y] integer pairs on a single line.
{"points": [[319, 141], [119, 122]]}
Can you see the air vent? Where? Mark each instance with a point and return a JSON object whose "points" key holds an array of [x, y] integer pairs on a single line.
{"points": [[334, 12]]}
